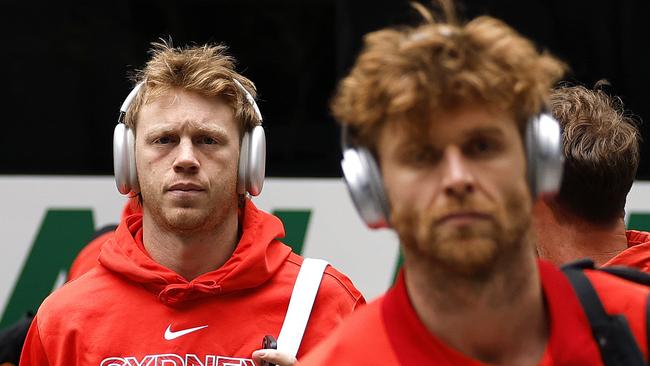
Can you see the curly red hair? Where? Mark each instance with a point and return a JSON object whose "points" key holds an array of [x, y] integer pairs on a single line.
{"points": [[410, 73]]}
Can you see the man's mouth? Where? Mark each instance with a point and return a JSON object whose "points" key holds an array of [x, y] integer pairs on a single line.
{"points": [[185, 187], [462, 218]]}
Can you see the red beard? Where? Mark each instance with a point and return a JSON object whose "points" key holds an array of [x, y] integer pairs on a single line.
{"points": [[468, 249]]}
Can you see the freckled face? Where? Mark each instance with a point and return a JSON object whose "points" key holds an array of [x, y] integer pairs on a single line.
{"points": [[187, 149]]}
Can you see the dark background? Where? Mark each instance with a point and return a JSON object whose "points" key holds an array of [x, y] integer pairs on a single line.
{"points": [[65, 65]]}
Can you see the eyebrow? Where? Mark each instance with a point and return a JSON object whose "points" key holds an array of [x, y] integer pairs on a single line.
{"points": [[211, 130], [472, 132], [483, 131], [201, 127]]}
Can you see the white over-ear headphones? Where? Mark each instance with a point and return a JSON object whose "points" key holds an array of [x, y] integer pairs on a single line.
{"points": [[363, 177], [252, 155]]}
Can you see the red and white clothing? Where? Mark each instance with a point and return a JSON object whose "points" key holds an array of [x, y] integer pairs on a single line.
{"points": [[389, 332], [131, 310], [637, 254]]}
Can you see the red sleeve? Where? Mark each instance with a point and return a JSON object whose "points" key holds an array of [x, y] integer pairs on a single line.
{"points": [[337, 298], [33, 352], [360, 340], [623, 297]]}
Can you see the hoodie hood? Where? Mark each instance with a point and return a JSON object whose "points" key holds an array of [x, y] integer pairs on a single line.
{"points": [[637, 254], [132, 206], [256, 258]]}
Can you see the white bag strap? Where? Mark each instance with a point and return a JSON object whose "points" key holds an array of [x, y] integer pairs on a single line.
{"points": [[300, 305]]}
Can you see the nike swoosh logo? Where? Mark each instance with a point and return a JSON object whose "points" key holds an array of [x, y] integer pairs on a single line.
{"points": [[169, 334]]}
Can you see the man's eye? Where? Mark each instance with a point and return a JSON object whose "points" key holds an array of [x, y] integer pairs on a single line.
{"points": [[420, 156], [163, 140], [208, 140], [482, 147]]}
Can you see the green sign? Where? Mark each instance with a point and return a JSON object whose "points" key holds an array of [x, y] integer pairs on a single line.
{"points": [[295, 226], [60, 237], [639, 221]]}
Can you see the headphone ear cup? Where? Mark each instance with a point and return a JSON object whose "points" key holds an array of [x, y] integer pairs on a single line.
{"points": [[545, 163], [126, 178], [252, 162], [130, 158], [363, 179], [256, 167], [242, 170], [120, 164]]}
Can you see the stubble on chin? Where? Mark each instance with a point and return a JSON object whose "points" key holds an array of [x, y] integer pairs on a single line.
{"points": [[465, 251], [178, 218], [185, 219]]}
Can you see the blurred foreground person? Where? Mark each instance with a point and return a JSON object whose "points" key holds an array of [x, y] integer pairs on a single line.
{"points": [[447, 142]]}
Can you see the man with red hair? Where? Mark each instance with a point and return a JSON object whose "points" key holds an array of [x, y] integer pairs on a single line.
{"points": [[447, 143], [199, 275]]}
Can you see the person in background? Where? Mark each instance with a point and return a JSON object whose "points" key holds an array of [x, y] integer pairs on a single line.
{"points": [[587, 218]]}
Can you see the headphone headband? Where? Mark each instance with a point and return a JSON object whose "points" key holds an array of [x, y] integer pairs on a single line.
{"points": [[136, 89], [252, 154], [250, 100]]}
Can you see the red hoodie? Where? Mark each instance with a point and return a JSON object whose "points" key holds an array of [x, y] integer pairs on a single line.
{"points": [[637, 254], [87, 257], [389, 331], [133, 311]]}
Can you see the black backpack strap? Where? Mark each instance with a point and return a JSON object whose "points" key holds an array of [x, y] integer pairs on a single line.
{"points": [[627, 273], [584, 263], [612, 334]]}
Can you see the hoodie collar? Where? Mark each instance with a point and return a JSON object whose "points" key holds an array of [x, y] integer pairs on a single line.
{"points": [[256, 259], [637, 254]]}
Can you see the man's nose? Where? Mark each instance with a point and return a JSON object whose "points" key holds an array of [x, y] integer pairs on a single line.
{"points": [[186, 160], [458, 178]]}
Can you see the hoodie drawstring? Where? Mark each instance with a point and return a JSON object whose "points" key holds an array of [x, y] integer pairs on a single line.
{"points": [[178, 292]]}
